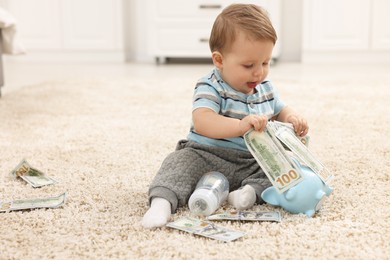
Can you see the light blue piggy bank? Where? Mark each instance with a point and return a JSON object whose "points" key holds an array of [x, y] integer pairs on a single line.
{"points": [[305, 197]]}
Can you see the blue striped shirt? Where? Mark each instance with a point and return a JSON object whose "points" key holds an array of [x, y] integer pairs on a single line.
{"points": [[213, 93]]}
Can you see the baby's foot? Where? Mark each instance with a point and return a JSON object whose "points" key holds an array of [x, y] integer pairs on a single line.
{"points": [[243, 198], [158, 214]]}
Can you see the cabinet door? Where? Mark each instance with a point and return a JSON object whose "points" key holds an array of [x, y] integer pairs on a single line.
{"points": [[337, 25], [92, 24], [380, 25], [178, 28], [38, 23]]}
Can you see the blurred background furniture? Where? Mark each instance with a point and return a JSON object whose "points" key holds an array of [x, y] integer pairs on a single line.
{"points": [[8, 40], [1, 62], [181, 29], [53, 30]]}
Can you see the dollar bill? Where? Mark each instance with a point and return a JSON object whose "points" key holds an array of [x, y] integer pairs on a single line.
{"points": [[276, 125], [280, 169], [31, 175], [247, 216], [23, 204], [206, 229], [288, 137]]}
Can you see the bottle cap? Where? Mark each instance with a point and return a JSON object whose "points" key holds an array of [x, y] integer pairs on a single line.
{"points": [[203, 202]]}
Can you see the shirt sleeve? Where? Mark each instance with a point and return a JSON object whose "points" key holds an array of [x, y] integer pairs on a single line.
{"points": [[206, 96]]}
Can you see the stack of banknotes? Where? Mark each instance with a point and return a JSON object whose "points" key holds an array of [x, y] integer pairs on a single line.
{"points": [[208, 229], [268, 148], [299, 147], [36, 179], [247, 216]]}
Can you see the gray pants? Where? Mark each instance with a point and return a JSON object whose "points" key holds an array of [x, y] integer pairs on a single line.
{"points": [[182, 169]]}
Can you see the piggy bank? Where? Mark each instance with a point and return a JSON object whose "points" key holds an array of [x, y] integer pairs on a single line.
{"points": [[305, 197]]}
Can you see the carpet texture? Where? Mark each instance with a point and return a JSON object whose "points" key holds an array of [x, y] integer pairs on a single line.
{"points": [[104, 140]]}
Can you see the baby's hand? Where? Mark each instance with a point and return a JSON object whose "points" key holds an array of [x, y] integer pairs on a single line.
{"points": [[253, 121], [300, 124]]}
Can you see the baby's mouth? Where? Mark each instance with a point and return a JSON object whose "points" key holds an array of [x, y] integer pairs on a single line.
{"points": [[251, 84]]}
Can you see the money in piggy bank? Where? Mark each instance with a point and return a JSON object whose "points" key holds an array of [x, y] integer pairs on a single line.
{"points": [[305, 197]]}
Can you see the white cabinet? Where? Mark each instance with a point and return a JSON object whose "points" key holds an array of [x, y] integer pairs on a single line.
{"points": [[346, 27], [38, 23], [381, 25], [66, 26], [92, 24], [181, 29], [335, 24]]}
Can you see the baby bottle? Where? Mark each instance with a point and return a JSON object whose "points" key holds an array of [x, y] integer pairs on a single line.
{"points": [[210, 192]]}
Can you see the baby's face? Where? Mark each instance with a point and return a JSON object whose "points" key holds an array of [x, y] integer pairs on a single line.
{"points": [[246, 63]]}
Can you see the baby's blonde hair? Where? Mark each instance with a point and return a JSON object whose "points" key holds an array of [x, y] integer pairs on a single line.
{"points": [[253, 20]]}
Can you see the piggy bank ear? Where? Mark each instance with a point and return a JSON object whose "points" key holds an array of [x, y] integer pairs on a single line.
{"points": [[270, 196]]}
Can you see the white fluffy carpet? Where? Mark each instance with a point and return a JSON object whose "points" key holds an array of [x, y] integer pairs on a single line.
{"points": [[104, 141]]}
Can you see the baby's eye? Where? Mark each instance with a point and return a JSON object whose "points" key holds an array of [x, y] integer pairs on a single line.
{"points": [[265, 63], [248, 66]]}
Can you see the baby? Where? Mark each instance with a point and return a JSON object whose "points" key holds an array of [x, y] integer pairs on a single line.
{"points": [[233, 98]]}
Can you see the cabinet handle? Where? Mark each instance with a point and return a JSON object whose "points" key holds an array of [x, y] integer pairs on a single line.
{"points": [[210, 6], [204, 39]]}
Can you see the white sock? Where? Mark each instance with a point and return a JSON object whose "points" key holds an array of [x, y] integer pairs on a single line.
{"points": [[158, 214], [243, 198]]}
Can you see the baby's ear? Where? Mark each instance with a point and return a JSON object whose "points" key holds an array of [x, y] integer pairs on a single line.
{"points": [[217, 59]]}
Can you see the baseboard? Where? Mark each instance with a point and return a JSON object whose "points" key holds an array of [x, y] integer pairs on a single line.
{"points": [[371, 57]]}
